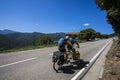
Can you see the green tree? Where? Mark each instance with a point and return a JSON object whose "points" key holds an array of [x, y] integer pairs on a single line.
{"points": [[104, 36], [87, 34], [98, 35], [5, 43], [112, 8], [42, 40]]}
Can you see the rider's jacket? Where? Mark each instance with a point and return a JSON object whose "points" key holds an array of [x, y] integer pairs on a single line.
{"points": [[72, 40], [61, 42]]}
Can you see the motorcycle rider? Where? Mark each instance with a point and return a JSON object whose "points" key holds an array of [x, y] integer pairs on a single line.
{"points": [[62, 43], [73, 41]]}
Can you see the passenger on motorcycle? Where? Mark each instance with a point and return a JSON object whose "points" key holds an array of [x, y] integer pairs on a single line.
{"points": [[73, 41], [62, 43]]}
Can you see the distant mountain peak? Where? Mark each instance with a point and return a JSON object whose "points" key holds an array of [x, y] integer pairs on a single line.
{"points": [[7, 31]]}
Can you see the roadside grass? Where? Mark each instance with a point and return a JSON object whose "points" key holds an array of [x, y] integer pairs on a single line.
{"points": [[112, 64], [27, 48], [113, 71], [111, 52], [118, 78], [32, 47]]}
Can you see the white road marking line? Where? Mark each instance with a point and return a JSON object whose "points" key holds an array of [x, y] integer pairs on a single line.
{"points": [[99, 52], [92, 60], [76, 76], [17, 62]]}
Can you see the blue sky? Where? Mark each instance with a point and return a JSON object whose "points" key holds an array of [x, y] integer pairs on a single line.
{"points": [[50, 16]]}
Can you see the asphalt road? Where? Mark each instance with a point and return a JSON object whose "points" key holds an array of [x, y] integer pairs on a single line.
{"points": [[37, 64]]}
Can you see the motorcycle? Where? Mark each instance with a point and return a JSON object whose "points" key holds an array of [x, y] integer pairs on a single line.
{"points": [[58, 59]]}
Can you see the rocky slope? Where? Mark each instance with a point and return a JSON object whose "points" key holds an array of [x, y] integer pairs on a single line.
{"points": [[112, 64]]}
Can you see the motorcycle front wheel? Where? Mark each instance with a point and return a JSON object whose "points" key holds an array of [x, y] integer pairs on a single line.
{"points": [[57, 66]]}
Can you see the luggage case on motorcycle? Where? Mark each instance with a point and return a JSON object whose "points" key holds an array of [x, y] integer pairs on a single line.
{"points": [[77, 57], [58, 55]]}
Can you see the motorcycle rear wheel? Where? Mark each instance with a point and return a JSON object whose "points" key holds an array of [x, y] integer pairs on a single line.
{"points": [[57, 66]]}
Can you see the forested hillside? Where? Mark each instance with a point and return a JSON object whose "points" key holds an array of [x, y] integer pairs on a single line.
{"points": [[17, 39], [12, 39]]}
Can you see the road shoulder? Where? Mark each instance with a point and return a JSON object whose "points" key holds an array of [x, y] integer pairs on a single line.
{"points": [[95, 71]]}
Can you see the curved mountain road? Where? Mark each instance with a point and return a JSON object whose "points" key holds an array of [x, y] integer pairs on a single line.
{"points": [[37, 64]]}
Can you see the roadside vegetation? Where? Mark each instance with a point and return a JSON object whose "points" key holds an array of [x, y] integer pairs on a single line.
{"points": [[112, 64], [28, 41], [27, 48], [20, 41], [90, 34]]}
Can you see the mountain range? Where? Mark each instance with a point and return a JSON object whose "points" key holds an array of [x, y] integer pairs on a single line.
{"points": [[19, 39], [26, 36], [6, 31]]}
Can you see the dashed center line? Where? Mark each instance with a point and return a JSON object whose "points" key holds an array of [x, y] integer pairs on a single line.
{"points": [[18, 62]]}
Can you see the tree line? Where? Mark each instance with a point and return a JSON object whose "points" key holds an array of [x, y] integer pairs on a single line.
{"points": [[11, 41], [91, 34], [21, 40], [112, 9]]}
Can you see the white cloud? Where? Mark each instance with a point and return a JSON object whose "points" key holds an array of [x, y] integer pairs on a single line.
{"points": [[37, 24], [86, 24]]}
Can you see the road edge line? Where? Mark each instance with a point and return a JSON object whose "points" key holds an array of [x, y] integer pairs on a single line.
{"points": [[82, 72]]}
